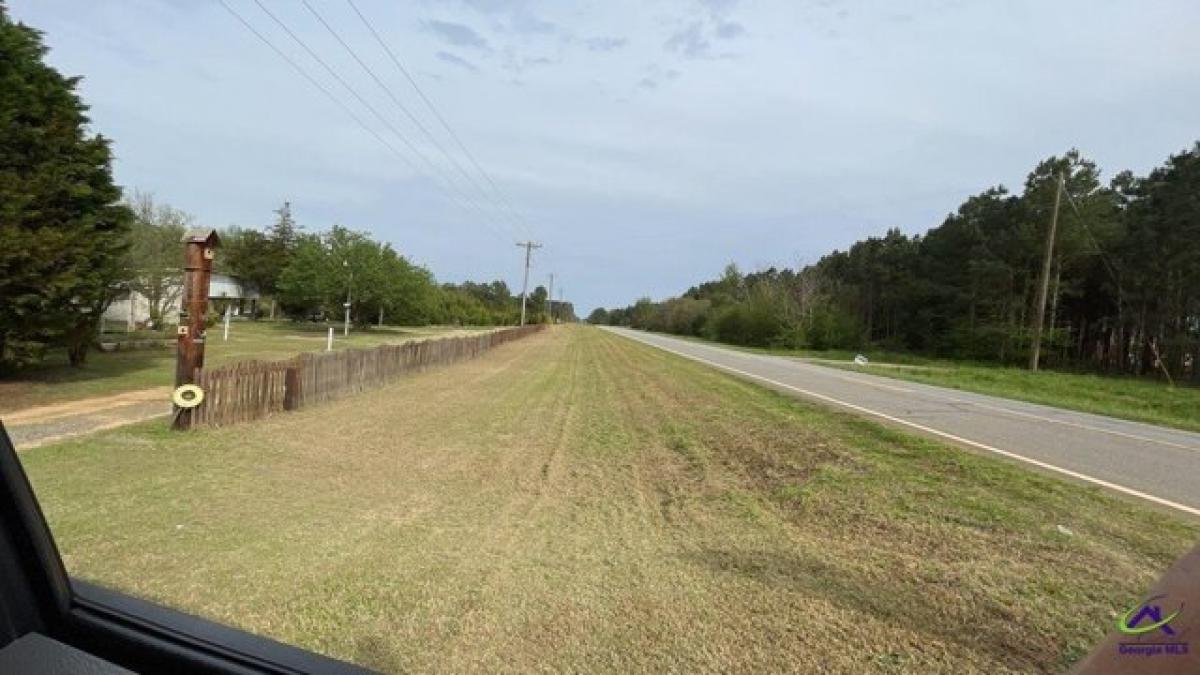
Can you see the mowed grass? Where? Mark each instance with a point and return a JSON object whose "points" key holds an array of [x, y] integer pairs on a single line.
{"points": [[1138, 399], [576, 501], [54, 381]]}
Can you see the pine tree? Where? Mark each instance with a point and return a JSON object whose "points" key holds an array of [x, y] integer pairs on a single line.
{"points": [[63, 233]]}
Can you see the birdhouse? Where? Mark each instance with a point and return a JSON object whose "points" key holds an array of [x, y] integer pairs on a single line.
{"points": [[207, 238], [202, 236]]}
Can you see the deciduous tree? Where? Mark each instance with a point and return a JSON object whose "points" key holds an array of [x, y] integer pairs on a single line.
{"points": [[156, 253]]}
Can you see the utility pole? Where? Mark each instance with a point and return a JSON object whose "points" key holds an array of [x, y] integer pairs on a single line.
{"points": [[1044, 284], [528, 246], [560, 299], [550, 300], [199, 250]]}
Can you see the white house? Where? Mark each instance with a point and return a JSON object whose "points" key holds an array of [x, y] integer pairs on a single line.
{"points": [[223, 291]]}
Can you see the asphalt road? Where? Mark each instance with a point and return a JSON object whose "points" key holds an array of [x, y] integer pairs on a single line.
{"points": [[1148, 462]]}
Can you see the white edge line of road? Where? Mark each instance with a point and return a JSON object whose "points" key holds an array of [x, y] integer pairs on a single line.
{"points": [[844, 375], [1004, 411], [929, 430]]}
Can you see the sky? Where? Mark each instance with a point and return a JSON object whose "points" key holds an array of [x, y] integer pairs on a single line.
{"points": [[644, 144]]}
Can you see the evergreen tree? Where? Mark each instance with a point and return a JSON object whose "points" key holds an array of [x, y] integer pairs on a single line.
{"points": [[258, 258], [62, 230], [1122, 293]]}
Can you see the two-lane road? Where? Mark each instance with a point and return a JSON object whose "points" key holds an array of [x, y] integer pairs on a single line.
{"points": [[1153, 463]]}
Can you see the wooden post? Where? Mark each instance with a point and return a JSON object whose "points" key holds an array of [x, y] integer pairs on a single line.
{"points": [[291, 387], [199, 250], [1044, 283]]}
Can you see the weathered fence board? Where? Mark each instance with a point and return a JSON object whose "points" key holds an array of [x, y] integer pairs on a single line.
{"points": [[241, 391], [251, 390]]}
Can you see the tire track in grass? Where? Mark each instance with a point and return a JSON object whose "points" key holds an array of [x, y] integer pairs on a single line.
{"points": [[516, 398]]}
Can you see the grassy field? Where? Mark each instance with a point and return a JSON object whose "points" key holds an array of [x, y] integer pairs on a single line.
{"points": [[109, 373], [1141, 400], [575, 501]]}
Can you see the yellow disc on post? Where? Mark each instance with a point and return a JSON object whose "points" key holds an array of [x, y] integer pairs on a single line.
{"points": [[187, 396]]}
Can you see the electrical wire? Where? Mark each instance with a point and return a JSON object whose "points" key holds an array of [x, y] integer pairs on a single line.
{"points": [[1095, 244], [404, 109], [440, 118], [324, 90], [338, 102], [382, 120]]}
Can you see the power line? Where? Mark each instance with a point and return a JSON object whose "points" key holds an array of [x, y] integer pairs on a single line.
{"points": [[1095, 244], [433, 109], [371, 108], [365, 127], [338, 102], [303, 73], [391, 95]]}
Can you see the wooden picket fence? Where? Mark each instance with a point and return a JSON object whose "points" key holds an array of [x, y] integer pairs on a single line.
{"points": [[241, 392], [251, 390]]}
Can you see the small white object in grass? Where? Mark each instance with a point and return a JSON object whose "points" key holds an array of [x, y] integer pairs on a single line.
{"points": [[1065, 531], [861, 360]]}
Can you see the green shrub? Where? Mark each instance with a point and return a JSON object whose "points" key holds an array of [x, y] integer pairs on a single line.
{"points": [[751, 325]]}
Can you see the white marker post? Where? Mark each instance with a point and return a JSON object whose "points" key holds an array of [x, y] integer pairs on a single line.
{"points": [[228, 310], [329, 341]]}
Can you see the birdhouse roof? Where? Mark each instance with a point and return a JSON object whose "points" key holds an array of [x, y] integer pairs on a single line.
{"points": [[202, 236]]}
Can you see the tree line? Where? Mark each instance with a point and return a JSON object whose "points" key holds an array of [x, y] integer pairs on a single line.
{"points": [[71, 242], [312, 275], [1124, 285]]}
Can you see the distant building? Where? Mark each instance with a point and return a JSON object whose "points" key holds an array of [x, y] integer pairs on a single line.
{"points": [[224, 291]]}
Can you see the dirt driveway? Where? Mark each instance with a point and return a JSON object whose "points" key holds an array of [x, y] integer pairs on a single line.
{"points": [[43, 424]]}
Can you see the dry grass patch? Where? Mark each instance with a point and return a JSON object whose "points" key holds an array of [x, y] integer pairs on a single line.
{"points": [[577, 501]]}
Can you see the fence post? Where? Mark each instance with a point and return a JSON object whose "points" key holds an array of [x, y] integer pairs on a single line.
{"points": [[291, 388]]}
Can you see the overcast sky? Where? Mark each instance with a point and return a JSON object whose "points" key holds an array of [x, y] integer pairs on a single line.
{"points": [[645, 144]]}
